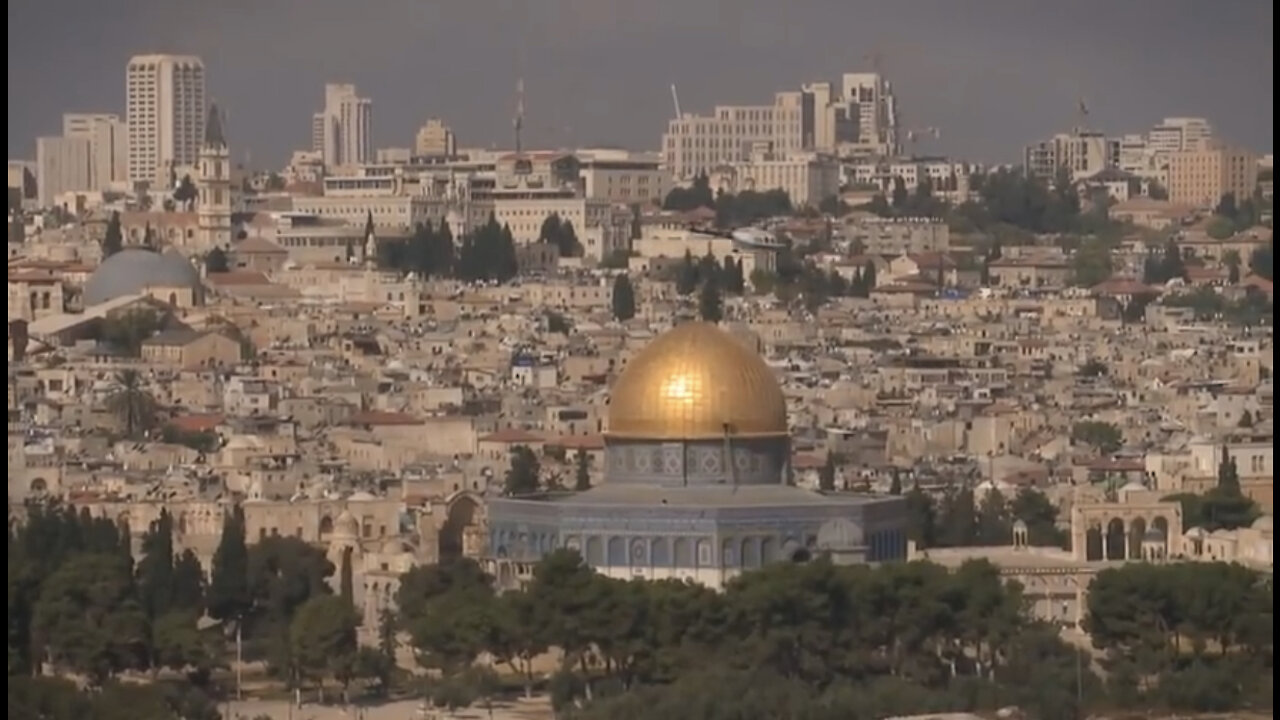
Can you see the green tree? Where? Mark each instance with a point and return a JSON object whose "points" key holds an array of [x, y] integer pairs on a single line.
{"points": [[89, 618], [346, 583], [1103, 437], [515, 636], [711, 302], [1220, 227], [687, 275], [131, 404], [127, 331], [322, 636], [188, 583], [582, 472], [1231, 259], [922, 518], [1260, 261], [1092, 263], [827, 474], [216, 261], [1228, 476], [229, 599], [624, 298], [113, 241], [424, 583], [155, 572], [185, 194], [523, 476]]}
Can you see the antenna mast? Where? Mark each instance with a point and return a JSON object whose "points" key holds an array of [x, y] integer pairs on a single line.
{"points": [[518, 123], [675, 98]]}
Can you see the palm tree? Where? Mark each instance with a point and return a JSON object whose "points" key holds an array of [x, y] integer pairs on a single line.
{"points": [[132, 404]]}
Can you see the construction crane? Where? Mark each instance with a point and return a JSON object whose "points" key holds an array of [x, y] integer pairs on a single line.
{"points": [[914, 136], [675, 98]]}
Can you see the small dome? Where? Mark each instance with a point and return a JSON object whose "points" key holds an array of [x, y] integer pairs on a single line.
{"points": [[361, 496], [346, 525], [132, 271], [1263, 523], [839, 534], [694, 382], [1195, 533]]}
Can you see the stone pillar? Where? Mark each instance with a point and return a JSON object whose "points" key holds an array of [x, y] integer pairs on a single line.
{"points": [[1106, 544]]}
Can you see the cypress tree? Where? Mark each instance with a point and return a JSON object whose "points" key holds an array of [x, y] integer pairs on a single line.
{"points": [[624, 298], [228, 596], [347, 587]]}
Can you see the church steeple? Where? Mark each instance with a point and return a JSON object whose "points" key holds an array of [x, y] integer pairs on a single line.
{"points": [[213, 136]]}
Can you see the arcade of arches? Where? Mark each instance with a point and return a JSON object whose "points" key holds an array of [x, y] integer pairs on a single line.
{"points": [[1126, 531]]}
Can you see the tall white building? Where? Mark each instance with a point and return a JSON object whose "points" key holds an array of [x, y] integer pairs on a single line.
{"points": [[108, 147], [165, 107], [344, 129], [62, 165], [870, 103], [1180, 134]]}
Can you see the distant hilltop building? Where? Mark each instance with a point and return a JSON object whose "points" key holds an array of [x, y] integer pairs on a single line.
{"points": [[857, 119], [165, 113]]}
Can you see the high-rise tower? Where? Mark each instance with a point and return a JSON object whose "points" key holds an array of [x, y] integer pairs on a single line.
{"points": [[165, 115], [344, 129], [213, 171]]}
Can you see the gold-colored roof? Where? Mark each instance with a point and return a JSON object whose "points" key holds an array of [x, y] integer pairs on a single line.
{"points": [[689, 383]]}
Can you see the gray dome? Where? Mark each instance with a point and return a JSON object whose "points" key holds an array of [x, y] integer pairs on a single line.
{"points": [[132, 271], [839, 534]]}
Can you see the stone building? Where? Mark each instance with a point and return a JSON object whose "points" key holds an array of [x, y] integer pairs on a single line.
{"points": [[696, 487]]}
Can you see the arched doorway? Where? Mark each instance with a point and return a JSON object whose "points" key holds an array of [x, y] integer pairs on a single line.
{"points": [[1115, 545], [1093, 543], [460, 516], [39, 486]]}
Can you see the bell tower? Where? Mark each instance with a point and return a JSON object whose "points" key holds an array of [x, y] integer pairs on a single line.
{"points": [[213, 212]]}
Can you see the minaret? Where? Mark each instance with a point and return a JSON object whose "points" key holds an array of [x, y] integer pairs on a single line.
{"points": [[213, 213]]}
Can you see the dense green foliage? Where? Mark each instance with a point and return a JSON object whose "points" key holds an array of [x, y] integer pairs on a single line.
{"points": [[820, 641], [489, 253], [960, 519]]}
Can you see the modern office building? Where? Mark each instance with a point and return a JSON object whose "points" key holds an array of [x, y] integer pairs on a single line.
{"points": [[1082, 152], [108, 147], [435, 139], [63, 164], [344, 128], [1200, 178], [165, 113], [1180, 134], [858, 120]]}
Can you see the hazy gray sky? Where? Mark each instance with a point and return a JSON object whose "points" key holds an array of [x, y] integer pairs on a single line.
{"points": [[992, 74]]}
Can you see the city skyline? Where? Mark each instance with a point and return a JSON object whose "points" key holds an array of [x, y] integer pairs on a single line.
{"points": [[583, 86]]}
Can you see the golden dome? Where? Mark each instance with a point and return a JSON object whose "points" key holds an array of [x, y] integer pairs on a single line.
{"points": [[689, 383]]}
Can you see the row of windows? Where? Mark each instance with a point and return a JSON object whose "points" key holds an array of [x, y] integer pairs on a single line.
{"points": [[646, 552]]}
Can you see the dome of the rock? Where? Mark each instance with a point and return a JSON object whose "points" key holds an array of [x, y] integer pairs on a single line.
{"points": [[696, 382]]}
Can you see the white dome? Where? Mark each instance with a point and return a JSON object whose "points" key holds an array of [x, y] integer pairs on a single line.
{"points": [[346, 525], [1264, 523]]}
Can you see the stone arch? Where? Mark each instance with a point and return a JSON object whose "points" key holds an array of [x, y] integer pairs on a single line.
{"points": [[326, 526], [1093, 543], [683, 553], [749, 553], [1115, 539], [729, 553], [460, 514], [660, 553], [616, 552], [38, 485], [1167, 516], [595, 552], [768, 551], [1137, 532]]}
